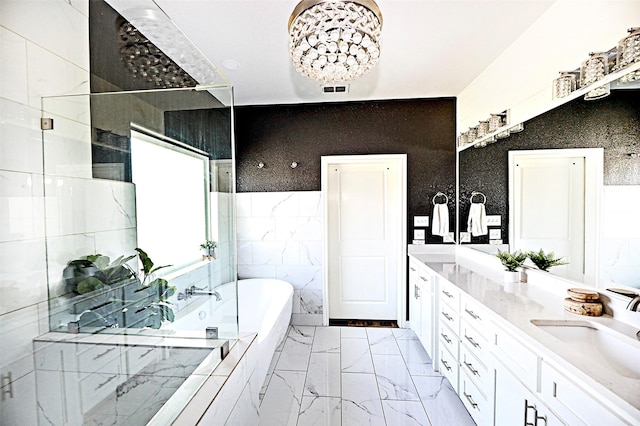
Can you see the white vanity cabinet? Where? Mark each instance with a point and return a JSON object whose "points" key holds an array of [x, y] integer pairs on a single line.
{"points": [[448, 332], [421, 304]]}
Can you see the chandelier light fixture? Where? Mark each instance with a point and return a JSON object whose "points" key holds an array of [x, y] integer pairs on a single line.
{"points": [[331, 41]]}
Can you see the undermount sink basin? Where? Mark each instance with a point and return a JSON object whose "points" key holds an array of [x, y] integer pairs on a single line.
{"points": [[605, 345]]}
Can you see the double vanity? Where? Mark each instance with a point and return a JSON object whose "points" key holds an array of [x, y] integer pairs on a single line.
{"points": [[511, 351]]}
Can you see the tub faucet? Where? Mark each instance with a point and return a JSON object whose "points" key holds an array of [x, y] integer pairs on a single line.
{"points": [[195, 291], [634, 305]]}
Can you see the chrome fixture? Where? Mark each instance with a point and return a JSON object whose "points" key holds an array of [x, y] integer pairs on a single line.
{"points": [[593, 69], [628, 53], [634, 305], [294, 164], [196, 291], [333, 41], [261, 165]]}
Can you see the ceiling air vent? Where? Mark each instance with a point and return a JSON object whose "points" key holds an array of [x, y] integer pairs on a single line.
{"points": [[335, 88]]}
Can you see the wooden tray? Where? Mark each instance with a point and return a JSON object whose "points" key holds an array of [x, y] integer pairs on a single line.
{"points": [[589, 309], [583, 295]]}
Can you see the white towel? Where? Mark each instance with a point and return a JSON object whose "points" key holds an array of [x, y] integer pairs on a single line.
{"points": [[440, 222], [477, 222]]}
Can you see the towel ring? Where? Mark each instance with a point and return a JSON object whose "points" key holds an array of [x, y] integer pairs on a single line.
{"points": [[440, 194], [474, 193]]}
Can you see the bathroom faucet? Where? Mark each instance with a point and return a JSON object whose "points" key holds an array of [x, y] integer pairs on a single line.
{"points": [[634, 305], [195, 291]]}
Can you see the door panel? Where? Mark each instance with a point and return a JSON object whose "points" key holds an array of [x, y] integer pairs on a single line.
{"points": [[364, 235]]}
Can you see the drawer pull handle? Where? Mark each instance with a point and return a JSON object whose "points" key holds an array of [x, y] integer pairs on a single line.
{"points": [[447, 316], [103, 353], [543, 418], [106, 381], [424, 279], [445, 337], [446, 293], [470, 367], [528, 407], [445, 364], [473, 342], [146, 353], [413, 269], [417, 291], [472, 314], [471, 401]]}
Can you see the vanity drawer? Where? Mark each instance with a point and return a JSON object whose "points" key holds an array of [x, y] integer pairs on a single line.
{"points": [[449, 367], [475, 401], [96, 387], [93, 357], [450, 295], [571, 401], [521, 360], [449, 340], [449, 317], [138, 357], [475, 315], [476, 370], [475, 341]]}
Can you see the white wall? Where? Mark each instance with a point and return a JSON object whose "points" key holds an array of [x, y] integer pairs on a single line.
{"points": [[560, 40]]}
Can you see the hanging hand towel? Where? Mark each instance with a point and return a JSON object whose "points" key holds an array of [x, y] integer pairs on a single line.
{"points": [[440, 222], [477, 222]]}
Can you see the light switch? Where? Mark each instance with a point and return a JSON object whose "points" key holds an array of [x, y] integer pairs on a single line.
{"points": [[465, 237], [449, 238], [495, 234], [494, 220], [421, 221], [418, 234]]}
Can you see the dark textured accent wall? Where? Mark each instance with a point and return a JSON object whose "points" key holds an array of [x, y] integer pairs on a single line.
{"points": [[278, 135], [612, 123]]}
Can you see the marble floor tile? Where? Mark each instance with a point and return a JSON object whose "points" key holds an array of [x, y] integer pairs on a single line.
{"points": [[394, 380], [355, 356], [405, 413], [323, 375], [441, 402], [281, 403], [326, 339], [320, 411], [296, 350], [416, 358], [361, 403], [382, 341], [353, 332], [404, 334]]}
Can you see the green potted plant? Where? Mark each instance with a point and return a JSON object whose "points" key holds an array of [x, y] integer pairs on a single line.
{"points": [[511, 262], [208, 249], [544, 261]]}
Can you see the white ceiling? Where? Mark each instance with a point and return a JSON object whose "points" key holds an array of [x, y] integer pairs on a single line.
{"points": [[430, 48]]}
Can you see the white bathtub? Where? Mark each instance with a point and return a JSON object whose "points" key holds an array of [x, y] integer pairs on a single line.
{"points": [[264, 307]]}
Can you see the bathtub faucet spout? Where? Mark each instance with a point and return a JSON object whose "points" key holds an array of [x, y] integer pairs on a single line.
{"points": [[195, 291]]}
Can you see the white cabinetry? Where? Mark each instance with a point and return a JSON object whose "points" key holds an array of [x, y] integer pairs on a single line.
{"points": [[448, 330], [421, 304]]}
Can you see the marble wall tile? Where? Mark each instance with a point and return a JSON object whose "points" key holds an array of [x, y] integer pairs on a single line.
{"points": [[50, 75], [281, 403], [18, 330], [306, 319], [21, 206], [256, 271], [275, 253], [22, 262], [311, 301], [275, 204], [40, 22], [256, 229], [67, 149], [246, 410], [302, 277], [20, 135], [13, 84], [243, 204], [310, 203]]}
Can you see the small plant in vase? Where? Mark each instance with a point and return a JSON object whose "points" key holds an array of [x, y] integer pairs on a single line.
{"points": [[544, 261], [208, 249], [511, 262]]}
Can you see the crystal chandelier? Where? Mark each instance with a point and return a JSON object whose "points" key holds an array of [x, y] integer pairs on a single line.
{"points": [[333, 41]]}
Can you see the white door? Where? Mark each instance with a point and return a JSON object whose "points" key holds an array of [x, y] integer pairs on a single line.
{"points": [[365, 237], [549, 208]]}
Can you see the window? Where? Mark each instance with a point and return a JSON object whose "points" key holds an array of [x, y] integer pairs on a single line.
{"points": [[172, 199]]}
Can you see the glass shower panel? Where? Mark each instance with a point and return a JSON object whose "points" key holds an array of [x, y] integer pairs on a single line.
{"points": [[135, 183]]}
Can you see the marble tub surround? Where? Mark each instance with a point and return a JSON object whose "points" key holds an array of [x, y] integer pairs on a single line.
{"points": [[356, 375], [280, 236], [514, 308]]}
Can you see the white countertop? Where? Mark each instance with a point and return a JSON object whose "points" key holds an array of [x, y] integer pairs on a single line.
{"points": [[514, 309]]}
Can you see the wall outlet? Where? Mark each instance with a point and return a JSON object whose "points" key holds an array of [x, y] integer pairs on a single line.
{"points": [[419, 234], [421, 221], [465, 237], [494, 220], [418, 242], [497, 242], [449, 238], [495, 234]]}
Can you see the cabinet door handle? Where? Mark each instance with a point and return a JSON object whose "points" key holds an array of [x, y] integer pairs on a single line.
{"points": [[470, 399], [446, 293], [106, 381], [473, 342], [528, 407], [447, 316], [445, 364], [472, 314], [543, 418], [445, 337], [470, 367], [103, 353], [146, 353]]}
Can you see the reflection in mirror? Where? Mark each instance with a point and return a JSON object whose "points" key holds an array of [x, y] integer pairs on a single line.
{"points": [[611, 123]]}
